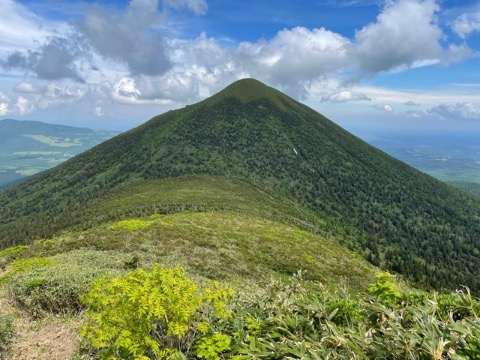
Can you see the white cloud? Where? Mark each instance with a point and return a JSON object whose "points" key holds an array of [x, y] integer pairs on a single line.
{"points": [[125, 91], [387, 108], [462, 111], [98, 111], [4, 109], [458, 53], [344, 96], [21, 29], [24, 106], [466, 24], [295, 56], [27, 87], [4, 100], [404, 34]]}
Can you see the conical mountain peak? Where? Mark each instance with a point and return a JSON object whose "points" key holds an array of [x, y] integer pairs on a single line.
{"points": [[252, 132], [247, 90]]}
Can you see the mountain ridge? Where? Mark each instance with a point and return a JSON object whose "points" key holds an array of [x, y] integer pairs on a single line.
{"points": [[374, 204]]}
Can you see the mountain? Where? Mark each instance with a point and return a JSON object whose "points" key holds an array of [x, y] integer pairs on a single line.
{"points": [[29, 147], [330, 182]]}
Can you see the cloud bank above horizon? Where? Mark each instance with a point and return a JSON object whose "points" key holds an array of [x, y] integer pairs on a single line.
{"points": [[141, 57]]}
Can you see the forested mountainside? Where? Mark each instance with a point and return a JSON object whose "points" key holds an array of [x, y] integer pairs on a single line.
{"points": [[395, 216]]}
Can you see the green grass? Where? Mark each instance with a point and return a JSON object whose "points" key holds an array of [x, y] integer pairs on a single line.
{"points": [[53, 284], [219, 245]]}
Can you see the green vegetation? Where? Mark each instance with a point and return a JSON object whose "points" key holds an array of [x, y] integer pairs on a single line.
{"points": [[41, 286], [469, 187], [250, 135], [160, 317], [131, 225], [277, 312], [7, 332], [156, 314]]}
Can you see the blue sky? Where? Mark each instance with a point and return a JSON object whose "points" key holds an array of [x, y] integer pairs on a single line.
{"points": [[369, 65]]}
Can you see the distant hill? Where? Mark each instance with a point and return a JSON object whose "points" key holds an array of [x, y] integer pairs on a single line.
{"points": [[395, 216], [29, 147]]}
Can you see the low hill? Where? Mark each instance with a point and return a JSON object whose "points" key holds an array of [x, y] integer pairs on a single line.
{"points": [[395, 216], [29, 147]]}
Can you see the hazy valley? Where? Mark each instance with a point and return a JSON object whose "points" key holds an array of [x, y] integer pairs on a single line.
{"points": [[29, 147]]}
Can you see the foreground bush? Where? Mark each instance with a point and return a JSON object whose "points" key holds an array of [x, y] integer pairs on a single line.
{"points": [[156, 314], [162, 315]]}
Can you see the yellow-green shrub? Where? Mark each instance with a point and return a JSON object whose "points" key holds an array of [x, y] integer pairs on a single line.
{"points": [[131, 225], [9, 254], [157, 313]]}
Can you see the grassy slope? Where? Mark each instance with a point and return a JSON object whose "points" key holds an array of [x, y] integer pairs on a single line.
{"points": [[217, 227], [213, 227]]}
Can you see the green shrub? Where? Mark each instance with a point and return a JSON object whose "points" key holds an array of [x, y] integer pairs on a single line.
{"points": [[131, 225], [385, 289], [155, 314], [21, 266], [54, 285], [6, 334], [9, 254]]}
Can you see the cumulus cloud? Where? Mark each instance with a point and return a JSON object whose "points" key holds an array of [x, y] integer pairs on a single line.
{"points": [[26, 87], [386, 108], [405, 32], [344, 96], [24, 106], [46, 96], [133, 37], [4, 100], [462, 111], [125, 91], [98, 111], [52, 61], [466, 24], [295, 55], [134, 56]]}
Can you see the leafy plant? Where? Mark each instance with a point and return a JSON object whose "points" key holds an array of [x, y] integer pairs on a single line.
{"points": [[385, 289], [157, 313]]}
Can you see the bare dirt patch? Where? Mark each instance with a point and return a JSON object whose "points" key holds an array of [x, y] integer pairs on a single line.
{"points": [[53, 338]]}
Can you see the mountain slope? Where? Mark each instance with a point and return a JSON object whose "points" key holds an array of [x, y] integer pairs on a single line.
{"points": [[29, 147], [393, 215]]}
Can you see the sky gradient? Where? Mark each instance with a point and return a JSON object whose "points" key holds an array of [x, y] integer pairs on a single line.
{"points": [[404, 66]]}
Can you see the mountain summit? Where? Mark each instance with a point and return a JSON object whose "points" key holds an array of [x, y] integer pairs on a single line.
{"points": [[396, 217]]}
